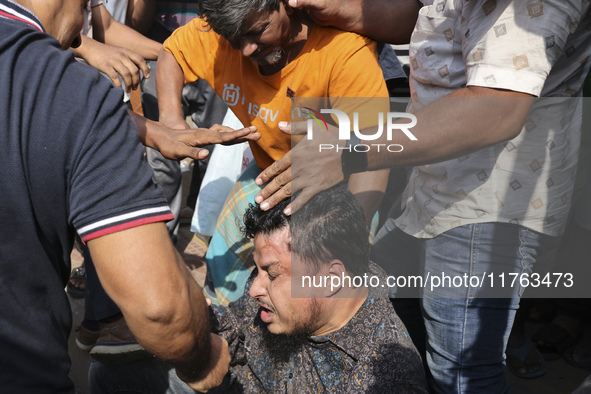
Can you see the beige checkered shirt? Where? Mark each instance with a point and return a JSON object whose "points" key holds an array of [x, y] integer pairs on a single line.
{"points": [[536, 47]]}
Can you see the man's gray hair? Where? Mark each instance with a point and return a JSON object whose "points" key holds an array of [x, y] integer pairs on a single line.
{"points": [[226, 17]]}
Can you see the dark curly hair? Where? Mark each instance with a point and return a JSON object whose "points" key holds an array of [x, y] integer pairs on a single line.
{"points": [[226, 17], [329, 226]]}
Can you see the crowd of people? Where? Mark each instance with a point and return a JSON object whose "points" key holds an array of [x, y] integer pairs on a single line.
{"points": [[488, 183]]}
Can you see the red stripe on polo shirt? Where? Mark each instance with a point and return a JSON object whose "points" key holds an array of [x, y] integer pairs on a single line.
{"points": [[11, 16], [127, 225]]}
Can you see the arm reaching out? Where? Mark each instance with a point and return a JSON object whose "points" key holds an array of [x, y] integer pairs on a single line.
{"points": [[109, 31], [180, 142], [446, 129], [113, 61], [169, 84], [117, 49]]}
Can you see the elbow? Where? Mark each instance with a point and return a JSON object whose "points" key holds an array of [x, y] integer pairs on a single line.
{"points": [[169, 307], [513, 131], [515, 122], [514, 116], [504, 131], [170, 322], [159, 310], [167, 326], [160, 313]]}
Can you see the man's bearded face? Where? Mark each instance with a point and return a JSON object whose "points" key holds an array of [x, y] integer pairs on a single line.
{"points": [[272, 288], [264, 36]]}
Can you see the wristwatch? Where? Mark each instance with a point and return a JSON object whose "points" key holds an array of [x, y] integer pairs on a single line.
{"points": [[353, 160]]}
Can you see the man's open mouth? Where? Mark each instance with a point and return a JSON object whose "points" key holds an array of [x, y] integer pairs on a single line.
{"points": [[266, 313]]}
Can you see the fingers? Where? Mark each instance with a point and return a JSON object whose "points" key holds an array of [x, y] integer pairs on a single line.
{"points": [[285, 127], [275, 169], [128, 72], [180, 143], [305, 196], [246, 138], [287, 210], [314, 9], [300, 200], [113, 75], [297, 3], [237, 136], [177, 150], [220, 129], [127, 64], [197, 137], [131, 70], [276, 190], [229, 136], [196, 153], [216, 370], [219, 348], [280, 195], [140, 62], [293, 128]]}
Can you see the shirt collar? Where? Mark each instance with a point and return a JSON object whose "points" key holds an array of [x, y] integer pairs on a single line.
{"points": [[11, 10], [342, 338], [354, 327]]}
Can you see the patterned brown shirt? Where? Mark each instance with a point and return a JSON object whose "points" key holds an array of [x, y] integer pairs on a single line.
{"points": [[372, 353]]}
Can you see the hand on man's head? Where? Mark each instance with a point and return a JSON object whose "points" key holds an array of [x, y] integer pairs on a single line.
{"points": [[312, 174], [325, 12]]}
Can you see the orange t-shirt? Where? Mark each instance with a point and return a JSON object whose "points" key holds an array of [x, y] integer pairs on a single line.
{"points": [[331, 64]]}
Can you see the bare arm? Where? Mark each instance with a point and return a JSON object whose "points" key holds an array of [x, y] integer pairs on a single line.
{"points": [[180, 143], [163, 305], [169, 84], [369, 188], [109, 31], [389, 21], [465, 121], [140, 15], [113, 61]]}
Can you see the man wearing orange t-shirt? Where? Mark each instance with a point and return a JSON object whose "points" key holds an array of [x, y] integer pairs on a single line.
{"points": [[258, 55]]}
